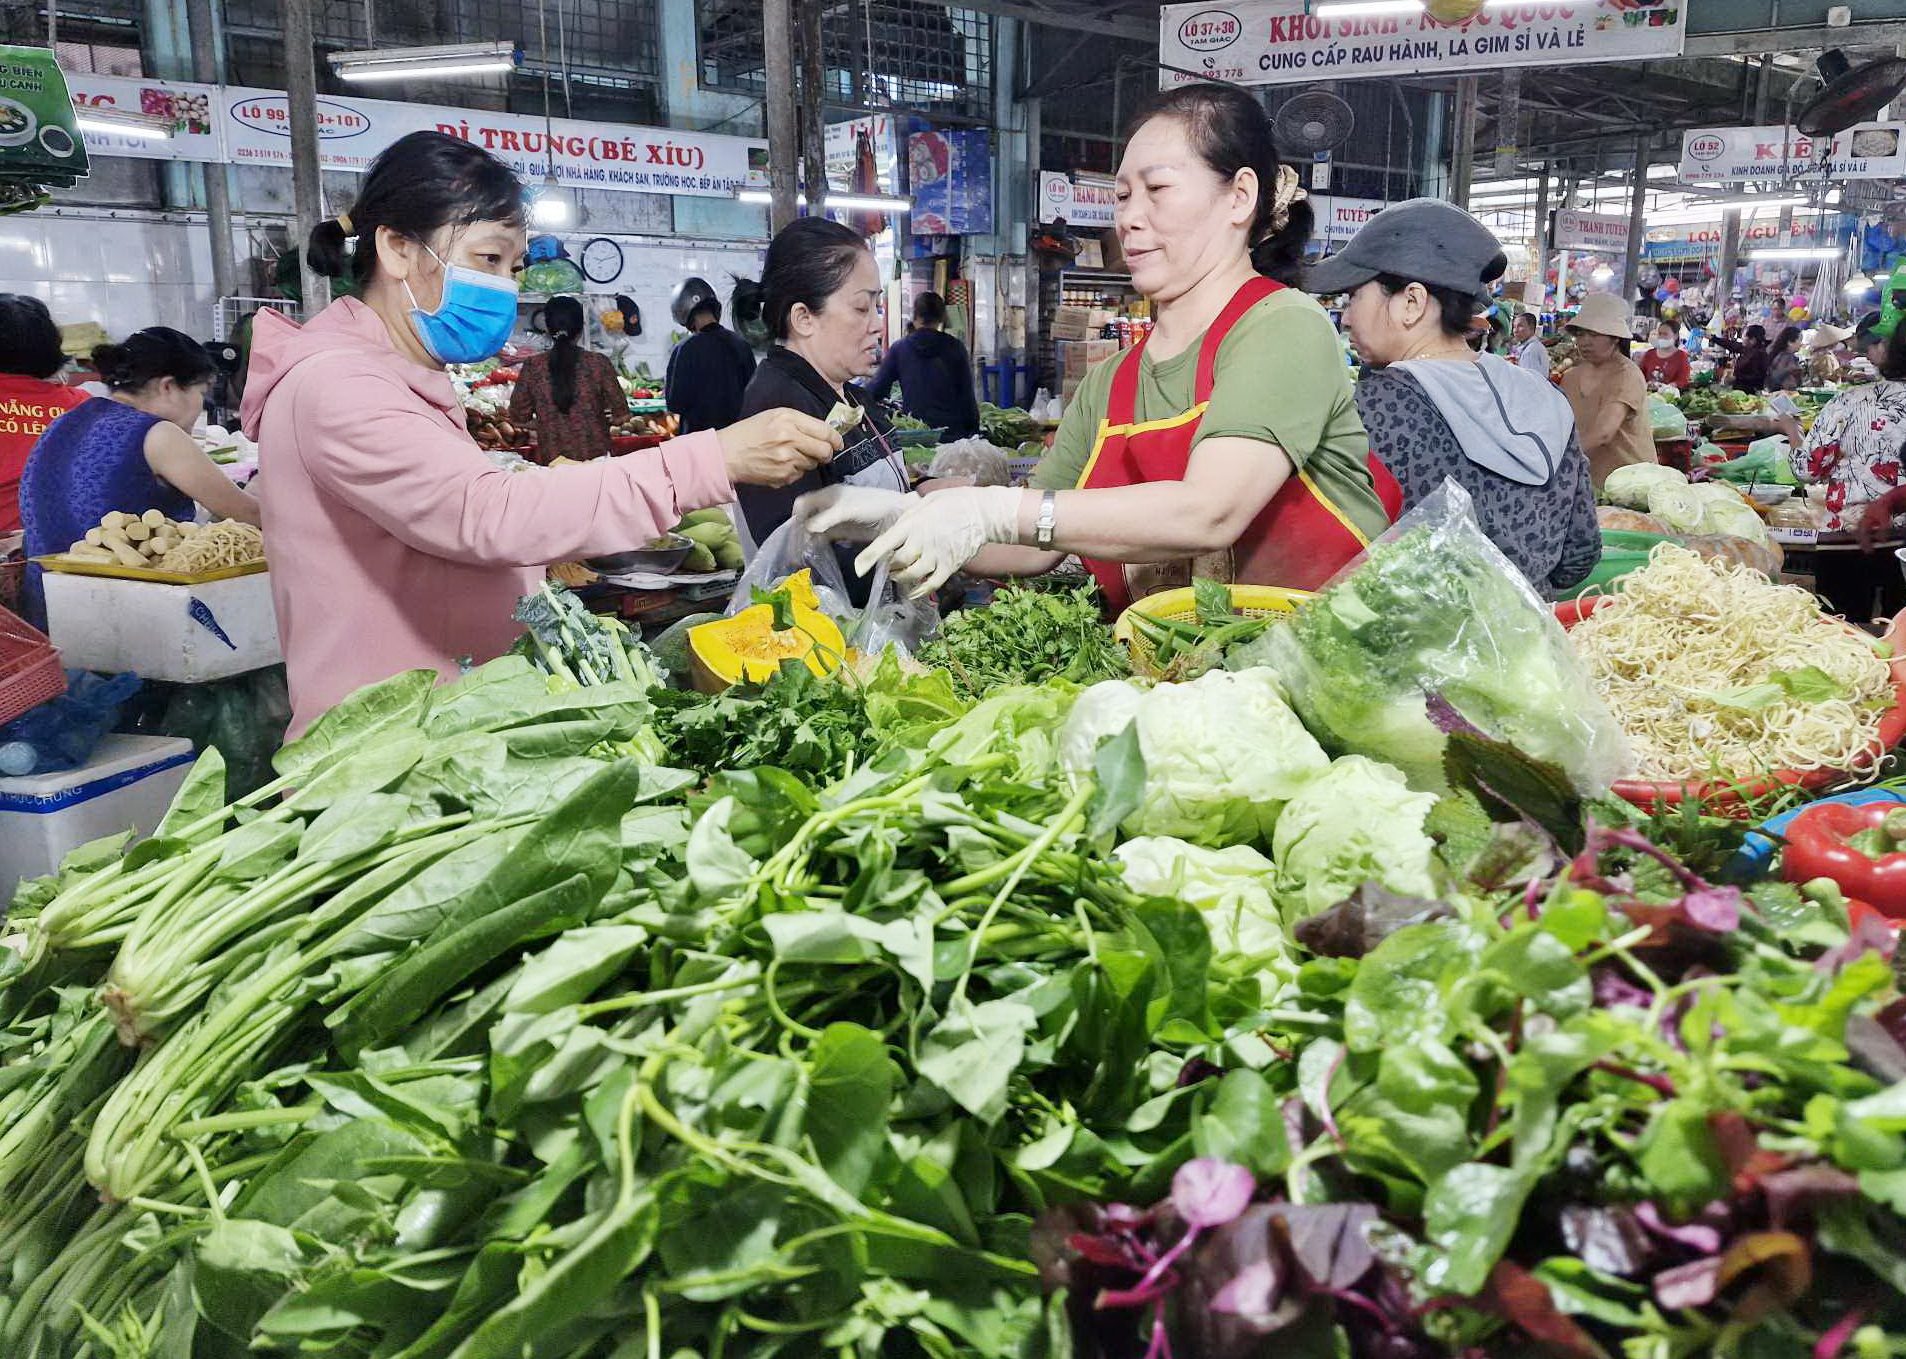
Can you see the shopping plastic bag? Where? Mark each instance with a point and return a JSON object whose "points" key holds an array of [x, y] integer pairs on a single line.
{"points": [[1433, 611], [889, 618], [1665, 419], [63, 732]]}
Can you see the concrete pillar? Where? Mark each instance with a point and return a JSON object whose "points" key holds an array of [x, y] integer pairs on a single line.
{"points": [[206, 49], [1541, 235], [784, 126], [1463, 154], [1637, 220], [301, 82]]}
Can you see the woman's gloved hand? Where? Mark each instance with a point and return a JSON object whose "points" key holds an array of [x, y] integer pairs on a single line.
{"points": [[851, 514], [776, 447], [942, 533]]}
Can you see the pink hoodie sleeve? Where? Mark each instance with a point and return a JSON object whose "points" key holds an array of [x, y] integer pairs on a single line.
{"points": [[432, 489]]}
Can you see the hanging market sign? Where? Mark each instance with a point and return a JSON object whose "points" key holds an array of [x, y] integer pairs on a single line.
{"points": [[351, 132], [950, 178], [1338, 219], [1577, 230], [40, 147], [1084, 203], [1774, 154], [1705, 238], [846, 144], [191, 109], [1275, 42]]}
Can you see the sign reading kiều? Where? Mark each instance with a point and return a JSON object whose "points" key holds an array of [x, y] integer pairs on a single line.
{"points": [[1773, 154], [1276, 42]]}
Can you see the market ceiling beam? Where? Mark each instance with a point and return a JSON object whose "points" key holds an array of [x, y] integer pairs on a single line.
{"points": [[1766, 42], [1079, 20]]}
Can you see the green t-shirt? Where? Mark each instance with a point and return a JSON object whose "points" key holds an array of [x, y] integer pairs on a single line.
{"points": [[1280, 379]]}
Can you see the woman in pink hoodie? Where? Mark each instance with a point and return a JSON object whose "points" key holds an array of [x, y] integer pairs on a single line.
{"points": [[394, 542]]}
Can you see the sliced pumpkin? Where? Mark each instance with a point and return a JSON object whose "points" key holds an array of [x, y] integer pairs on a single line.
{"points": [[747, 647]]}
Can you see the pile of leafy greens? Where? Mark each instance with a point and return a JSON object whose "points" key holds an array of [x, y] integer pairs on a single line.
{"points": [[1601, 1119], [540, 1015], [1027, 635]]}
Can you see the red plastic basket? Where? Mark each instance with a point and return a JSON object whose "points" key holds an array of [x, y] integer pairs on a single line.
{"points": [[1732, 800], [30, 672]]}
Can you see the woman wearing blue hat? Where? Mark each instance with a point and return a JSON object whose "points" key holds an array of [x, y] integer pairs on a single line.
{"points": [[1415, 276]]}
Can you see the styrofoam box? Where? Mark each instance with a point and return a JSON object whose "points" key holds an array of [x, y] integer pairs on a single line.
{"points": [[127, 785], [182, 633]]}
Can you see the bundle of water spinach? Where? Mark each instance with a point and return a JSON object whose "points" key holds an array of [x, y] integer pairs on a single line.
{"points": [[475, 1035]]}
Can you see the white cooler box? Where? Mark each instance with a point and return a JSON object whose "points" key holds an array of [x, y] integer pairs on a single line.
{"points": [[183, 633], [127, 785]]}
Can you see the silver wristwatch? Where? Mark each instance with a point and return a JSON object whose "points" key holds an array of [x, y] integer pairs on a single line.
{"points": [[1048, 520]]}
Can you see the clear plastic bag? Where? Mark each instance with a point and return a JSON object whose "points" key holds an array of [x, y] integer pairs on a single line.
{"points": [[890, 619], [1434, 609], [971, 460]]}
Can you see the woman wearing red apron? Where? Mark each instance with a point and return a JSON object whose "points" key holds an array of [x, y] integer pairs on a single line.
{"points": [[1226, 445]]}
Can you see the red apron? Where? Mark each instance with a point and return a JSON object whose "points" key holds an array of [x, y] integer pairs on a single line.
{"points": [[1300, 540]]}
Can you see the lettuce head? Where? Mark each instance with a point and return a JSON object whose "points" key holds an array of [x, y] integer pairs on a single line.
{"points": [[1356, 823], [1223, 753], [1231, 888]]}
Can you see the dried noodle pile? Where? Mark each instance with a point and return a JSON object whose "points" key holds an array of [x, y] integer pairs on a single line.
{"points": [[224, 543], [1683, 629]]}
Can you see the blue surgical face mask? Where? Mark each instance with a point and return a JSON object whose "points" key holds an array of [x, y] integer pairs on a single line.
{"points": [[471, 321]]}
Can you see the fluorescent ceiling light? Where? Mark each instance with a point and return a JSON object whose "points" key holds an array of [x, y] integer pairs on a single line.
{"points": [[1350, 9], [551, 209], [427, 63], [1762, 201], [1797, 252], [121, 122], [842, 202]]}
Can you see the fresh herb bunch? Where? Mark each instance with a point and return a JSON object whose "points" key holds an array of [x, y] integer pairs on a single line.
{"points": [[812, 727], [1028, 636]]}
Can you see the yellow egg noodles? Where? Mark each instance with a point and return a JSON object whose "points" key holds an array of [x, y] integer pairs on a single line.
{"points": [[1713, 672]]}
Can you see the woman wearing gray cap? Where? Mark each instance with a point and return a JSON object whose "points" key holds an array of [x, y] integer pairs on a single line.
{"points": [[1225, 445], [1415, 274]]}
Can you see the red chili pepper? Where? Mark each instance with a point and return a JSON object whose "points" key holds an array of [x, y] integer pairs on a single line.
{"points": [[1863, 849]]}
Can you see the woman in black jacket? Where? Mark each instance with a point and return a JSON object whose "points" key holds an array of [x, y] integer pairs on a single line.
{"points": [[935, 375], [819, 297]]}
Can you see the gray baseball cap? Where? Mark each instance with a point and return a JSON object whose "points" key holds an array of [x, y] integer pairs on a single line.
{"points": [[1424, 240]]}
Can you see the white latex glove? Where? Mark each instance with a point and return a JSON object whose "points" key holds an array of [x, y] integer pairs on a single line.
{"points": [[942, 533], [854, 514]]}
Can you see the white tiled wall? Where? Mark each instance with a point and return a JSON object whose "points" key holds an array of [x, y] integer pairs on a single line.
{"points": [[125, 274]]}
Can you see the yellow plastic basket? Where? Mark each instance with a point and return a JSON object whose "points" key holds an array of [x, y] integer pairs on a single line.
{"points": [[1180, 606]]}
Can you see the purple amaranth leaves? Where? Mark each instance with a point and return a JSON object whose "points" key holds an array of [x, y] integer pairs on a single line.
{"points": [[1209, 1193], [1696, 1237]]}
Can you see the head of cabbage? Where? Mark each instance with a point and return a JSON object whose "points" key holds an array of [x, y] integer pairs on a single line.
{"points": [[1231, 888], [1631, 486], [1223, 754], [1724, 511], [1356, 823]]}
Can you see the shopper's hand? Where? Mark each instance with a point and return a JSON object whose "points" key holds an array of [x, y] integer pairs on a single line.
{"points": [[942, 533], [852, 514], [1877, 523], [776, 447]]}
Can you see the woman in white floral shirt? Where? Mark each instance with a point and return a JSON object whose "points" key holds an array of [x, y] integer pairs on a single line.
{"points": [[1855, 449]]}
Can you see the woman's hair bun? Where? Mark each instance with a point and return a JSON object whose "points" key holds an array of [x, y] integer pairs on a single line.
{"points": [[113, 363], [328, 249]]}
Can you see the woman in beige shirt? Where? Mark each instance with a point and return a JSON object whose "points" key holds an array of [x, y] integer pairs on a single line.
{"points": [[1607, 390]]}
